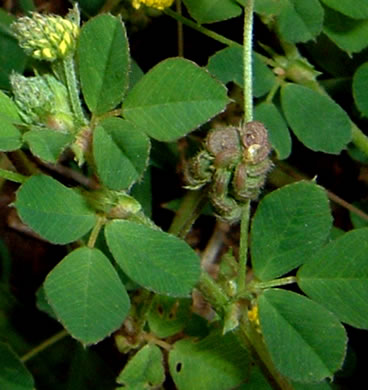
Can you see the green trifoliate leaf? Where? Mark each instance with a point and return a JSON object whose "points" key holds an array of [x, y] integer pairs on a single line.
{"points": [[167, 107], [46, 37], [281, 224], [317, 121], [227, 65], [348, 34], [47, 144], [300, 20], [360, 88], [337, 277], [216, 362], [8, 107], [357, 9], [306, 342], [103, 54], [155, 260], [209, 11], [278, 131], [120, 151], [13, 373], [10, 136], [42, 101], [57, 213], [145, 370], [87, 295]]}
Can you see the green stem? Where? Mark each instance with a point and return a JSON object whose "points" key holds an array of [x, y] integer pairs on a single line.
{"points": [[243, 247], [180, 30], [47, 343], [253, 341], [359, 139], [213, 293], [198, 27], [189, 210], [95, 232], [247, 61], [276, 282], [73, 89], [12, 176]]}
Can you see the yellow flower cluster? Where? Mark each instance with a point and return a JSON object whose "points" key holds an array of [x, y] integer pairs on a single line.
{"points": [[46, 37], [158, 4]]}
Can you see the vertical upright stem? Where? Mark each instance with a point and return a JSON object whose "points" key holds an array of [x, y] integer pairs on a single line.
{"points": [[73, 89], [248, 116], [180, 30], [243, 247], [247, 60]]}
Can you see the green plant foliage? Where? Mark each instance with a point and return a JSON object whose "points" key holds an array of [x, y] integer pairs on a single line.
{"points": [[145, 370], [13, 374], [360, 90], [278, 131], [337, 277], [10, 136], [357, 9], [87, 295], [215, 362], [300, 20], [145, 255], [103, 62], [209, 11], [120, 151], [167, 107], [282, 221], [292, 326], [311, 386], [317, 121], [47, 144], [142, 192], [42, 303], [12, 57], [57, 213], [268, 7], [91, 7], [256, 381], [227, 65], [8, 107], [348, 34], [168, 315]]}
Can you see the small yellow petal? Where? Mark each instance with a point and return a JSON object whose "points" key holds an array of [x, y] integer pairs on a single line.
{"points": [[59, 26], [63, 47], [67, 38], [47, 53]]}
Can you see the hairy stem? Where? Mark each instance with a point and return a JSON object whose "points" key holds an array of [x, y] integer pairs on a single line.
{"points": [[189, 210], [247, 60], [243, 247]]}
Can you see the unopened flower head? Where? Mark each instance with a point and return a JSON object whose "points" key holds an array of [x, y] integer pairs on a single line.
{"points": [[42, 101], [158, 4], [46, 37]]}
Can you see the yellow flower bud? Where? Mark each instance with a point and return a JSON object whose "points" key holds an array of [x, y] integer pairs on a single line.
{"points": [[158, 4], [47, 37]]}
